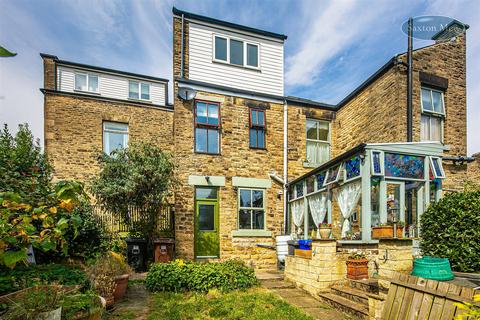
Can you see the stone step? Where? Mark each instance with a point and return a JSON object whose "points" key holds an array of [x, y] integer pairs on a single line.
{"points": [[277, 284], [269, 275], [353, 308], [368, 285], [352, 294]]}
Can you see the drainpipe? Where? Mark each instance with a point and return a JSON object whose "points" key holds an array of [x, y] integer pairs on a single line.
{"points": [[182, 47], [285, 168], [409, 108], [410, 82]]}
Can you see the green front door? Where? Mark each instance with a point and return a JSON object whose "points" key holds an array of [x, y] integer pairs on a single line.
{"points": [[206, 223]]}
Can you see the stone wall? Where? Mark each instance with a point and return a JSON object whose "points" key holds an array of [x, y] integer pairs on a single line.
{"points": [[297, 137], [74, 131], [378, 113], [236, 159], [327, 267]]}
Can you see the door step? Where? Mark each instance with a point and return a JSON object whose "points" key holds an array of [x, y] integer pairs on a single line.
{"points": [[351, 294], [356, 309], [269, 275]]}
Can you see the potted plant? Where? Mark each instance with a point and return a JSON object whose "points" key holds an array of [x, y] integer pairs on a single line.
{"points": [[385, 231], [325, 230], [357, 266]]}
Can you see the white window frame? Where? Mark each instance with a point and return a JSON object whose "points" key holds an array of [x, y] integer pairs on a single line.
{"points": [[432, 167], [245, 42], [140, 90], [328, 142], [87, 75], [431, 97], [431, 115], [382, 163], [106, 131], [339, 174], [252, 208]]}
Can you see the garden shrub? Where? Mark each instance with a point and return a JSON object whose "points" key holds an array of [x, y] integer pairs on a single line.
{"points": [[201, 277], [27, 276], [451, 229]]}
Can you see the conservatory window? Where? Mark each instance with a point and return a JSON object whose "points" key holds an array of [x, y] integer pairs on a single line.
{"points": [[404, 166], [352, 168], [333, 175], [378, 168], [318, 141], [436, 168]]}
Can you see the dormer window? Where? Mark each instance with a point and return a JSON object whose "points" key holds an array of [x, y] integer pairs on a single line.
{"points": [[86, 82], [138, 90], [236, 52]]}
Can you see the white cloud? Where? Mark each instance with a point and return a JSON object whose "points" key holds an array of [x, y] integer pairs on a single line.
{"points": [[331, 28]]}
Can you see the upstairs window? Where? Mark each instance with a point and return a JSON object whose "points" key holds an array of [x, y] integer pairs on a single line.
{"points": [[236, 52], [115, 136], [138, 90], [257, 129], [86, 82], [433, 111], [318, 141], [207, 127], [432, 101]]}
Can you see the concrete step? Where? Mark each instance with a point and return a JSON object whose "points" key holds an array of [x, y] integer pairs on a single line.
{"points": [[277, 284], [353, 308], [368, 285], [352, 294]]}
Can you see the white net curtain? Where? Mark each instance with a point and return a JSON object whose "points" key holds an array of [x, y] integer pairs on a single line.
{"points": [[297, 212], [347, 197], [318, 207]]}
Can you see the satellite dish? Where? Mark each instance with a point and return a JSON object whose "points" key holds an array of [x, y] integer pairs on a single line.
{"points": [[186, 93]]}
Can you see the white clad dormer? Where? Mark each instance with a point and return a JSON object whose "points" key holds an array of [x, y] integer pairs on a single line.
{"points": [[105, 83], [230, 55]]}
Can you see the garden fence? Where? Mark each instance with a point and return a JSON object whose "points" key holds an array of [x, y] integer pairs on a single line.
{"points": [[164, 221]]}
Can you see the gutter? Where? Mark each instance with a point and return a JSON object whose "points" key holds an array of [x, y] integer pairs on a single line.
{"points": [[460, 159]]}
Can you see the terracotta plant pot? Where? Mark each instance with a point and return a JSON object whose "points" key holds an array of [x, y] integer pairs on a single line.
{"points": [[357, 269], [385, 232], [121, 284], [325, 233]]}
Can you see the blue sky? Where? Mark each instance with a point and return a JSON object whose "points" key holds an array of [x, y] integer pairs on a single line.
{"points": [[332, 45]]}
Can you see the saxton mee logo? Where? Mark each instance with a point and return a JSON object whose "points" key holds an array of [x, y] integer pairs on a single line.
{"points": [[429, 27]]}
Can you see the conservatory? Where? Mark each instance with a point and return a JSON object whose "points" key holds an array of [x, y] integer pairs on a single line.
{"points": [[367, 189]]}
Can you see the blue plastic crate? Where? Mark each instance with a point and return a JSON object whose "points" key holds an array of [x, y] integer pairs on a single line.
{"points": [[305, 244]]}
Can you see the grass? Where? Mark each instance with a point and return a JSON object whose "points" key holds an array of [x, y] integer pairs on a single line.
{"points": [[252, 304]]}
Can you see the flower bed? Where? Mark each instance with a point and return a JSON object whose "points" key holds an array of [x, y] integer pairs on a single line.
{"points": [[182, 276]]}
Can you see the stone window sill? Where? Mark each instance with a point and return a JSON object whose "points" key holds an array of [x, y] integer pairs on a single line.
{"points": [[251, 233]]}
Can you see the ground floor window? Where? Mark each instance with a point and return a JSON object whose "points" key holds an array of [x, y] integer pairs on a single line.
{"points": [[251, 209]]}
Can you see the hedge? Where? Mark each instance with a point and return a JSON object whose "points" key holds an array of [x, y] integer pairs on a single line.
{"points": [[182, 276], [451, 229]]}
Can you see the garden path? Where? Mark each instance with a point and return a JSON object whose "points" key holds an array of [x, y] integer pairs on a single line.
{"points": [[274, 281]]}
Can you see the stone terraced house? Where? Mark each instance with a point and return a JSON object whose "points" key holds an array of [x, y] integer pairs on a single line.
{"points": [[238, 140]]}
